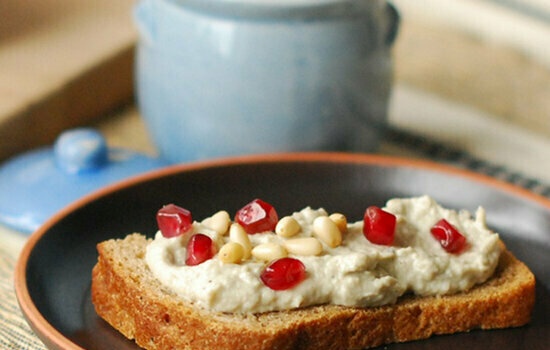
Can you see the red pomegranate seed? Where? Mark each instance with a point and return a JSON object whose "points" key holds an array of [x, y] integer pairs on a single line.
{"points": [[284, 273], [448, 236], [379, 226], [257, 216], [173, 220], [199, 249]]}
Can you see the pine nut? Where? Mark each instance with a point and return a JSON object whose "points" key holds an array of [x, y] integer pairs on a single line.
{"points": [[231, 253], [326, 230], [287, 227], [340, 221], [218, 222], [237, 234], [269, 251], [306, 246]]}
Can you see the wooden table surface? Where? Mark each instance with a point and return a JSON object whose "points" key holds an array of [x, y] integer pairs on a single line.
{"points": [[63, 63]]}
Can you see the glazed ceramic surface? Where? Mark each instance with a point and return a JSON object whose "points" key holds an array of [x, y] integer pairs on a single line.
{"points": [[53, 276], [230, 77], [36, 184]]}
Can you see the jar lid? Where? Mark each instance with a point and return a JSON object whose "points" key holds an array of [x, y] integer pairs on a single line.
{"points": [[37, 184]]}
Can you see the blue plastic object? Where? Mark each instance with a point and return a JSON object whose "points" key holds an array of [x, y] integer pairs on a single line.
{"points": [[37, 184]]}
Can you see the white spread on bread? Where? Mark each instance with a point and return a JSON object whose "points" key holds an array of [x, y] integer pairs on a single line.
{"points": [[356, 273]]}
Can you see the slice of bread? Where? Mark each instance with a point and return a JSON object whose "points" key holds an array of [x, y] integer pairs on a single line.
{"points": [[127, 296]]}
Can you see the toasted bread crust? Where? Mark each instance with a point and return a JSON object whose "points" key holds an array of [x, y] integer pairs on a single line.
{"points": [[128, 297]]}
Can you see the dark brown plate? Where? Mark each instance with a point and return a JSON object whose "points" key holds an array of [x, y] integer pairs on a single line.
{"points": [[53, 274]]}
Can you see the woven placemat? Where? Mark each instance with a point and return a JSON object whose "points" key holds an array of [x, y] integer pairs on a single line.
{"points": [[442, 153], [15, 333]]}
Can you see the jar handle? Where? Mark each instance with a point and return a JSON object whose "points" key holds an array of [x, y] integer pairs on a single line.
{"points": [[393, 21]]}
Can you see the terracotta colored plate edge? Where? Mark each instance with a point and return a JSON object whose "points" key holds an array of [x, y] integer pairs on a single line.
{"points": [[54, 339]]}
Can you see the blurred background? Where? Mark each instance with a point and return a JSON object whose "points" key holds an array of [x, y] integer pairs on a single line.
{"points": [[470, 76]]}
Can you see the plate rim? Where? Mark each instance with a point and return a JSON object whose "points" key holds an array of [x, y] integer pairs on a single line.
{"points": [[54, 339]]}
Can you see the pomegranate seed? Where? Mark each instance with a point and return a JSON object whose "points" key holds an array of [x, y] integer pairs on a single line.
{"points": [[284, 273], [173, 220], [379, 226], [257, 216], [448, 236], [199, 249]]}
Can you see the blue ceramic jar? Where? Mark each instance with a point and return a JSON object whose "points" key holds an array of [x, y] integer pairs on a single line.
{"points": [[228, 77]]}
